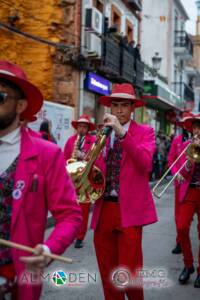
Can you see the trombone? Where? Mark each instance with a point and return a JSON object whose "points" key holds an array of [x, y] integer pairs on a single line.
{"points": [[193, 151]]}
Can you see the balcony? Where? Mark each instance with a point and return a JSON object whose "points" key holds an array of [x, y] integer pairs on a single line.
{"points": [[119, 62], [136, 4], [111, 55], [127, 66], [182, 44], [184, 91], [139, 79]]}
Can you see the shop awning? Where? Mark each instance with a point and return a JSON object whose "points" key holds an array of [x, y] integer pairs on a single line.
{"points": [[159, 97]]}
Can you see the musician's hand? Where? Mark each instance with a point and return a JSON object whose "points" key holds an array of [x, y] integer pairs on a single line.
{"points": [[111, 120], [180, 178], [80, 155], [37, 262], [196, 140], [190, 163]]}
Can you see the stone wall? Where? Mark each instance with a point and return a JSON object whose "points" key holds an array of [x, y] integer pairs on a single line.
{"points": [[53, 20]]}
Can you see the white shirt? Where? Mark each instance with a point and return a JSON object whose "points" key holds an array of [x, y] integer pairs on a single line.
{"points": [[112, 138], [9, 149]]}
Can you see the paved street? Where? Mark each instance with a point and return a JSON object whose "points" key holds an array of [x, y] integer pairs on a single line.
{"points": [[158, 241]]}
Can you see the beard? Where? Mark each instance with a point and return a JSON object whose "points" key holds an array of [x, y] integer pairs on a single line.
{"points": [[7, 120]]}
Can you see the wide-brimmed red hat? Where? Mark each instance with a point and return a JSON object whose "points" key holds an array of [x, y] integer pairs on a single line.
{"points": [[188, 123], [120, 92], [29, 119], [32, 94], [185, 115], [84, 119]]}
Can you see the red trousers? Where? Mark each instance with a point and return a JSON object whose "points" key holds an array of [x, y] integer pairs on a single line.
{"points": [[187, 210], [8, 272], [177, 211], [85, 213], [117, 248]]}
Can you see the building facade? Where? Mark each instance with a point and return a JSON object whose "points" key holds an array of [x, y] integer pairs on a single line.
{"points": [[110, 32], [163, 32]]}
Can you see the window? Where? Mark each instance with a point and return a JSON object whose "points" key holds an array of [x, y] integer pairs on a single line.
{"points": [[116, 17], [98, 4], [129, 31]]}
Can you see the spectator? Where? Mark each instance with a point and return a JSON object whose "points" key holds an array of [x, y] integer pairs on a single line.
{"points": [[46, 133]]}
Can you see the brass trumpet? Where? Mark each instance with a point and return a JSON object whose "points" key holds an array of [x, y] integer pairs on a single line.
{"points": [[88, 179], [193, 151]]}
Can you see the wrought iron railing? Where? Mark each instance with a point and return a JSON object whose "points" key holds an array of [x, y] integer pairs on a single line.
{"points": [[182, 39], [183, 90]]}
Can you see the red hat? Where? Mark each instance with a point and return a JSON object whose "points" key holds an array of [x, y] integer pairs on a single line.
{"points": [[32, 94], [185, 115], [29, 119], [120, 92], [84, 119], [188, 123]]}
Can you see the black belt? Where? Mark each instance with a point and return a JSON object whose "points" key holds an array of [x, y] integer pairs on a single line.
{"points": [[194, 185], [111, 198]]}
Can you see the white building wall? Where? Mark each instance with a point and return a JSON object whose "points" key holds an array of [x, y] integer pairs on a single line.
{"points": [[154, 34], [179, 25], [158, 36]]}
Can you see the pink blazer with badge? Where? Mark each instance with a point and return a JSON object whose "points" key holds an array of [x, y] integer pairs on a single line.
{"points": [[69, 146], [41, 184], [136, 201]]}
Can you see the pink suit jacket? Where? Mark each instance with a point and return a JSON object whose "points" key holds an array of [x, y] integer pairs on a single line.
{"points": [[176, 148], [136, 201], [69, 146], [45, 186], [187, 174]]}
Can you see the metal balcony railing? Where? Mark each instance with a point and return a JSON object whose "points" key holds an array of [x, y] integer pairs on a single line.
{"points": [[181, 39], [112, 53], [128, 71], [183, 90], [121, 62], [139, 79]]}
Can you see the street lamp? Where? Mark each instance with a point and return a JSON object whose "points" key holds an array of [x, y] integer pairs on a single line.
{"points": [[156, 61]]}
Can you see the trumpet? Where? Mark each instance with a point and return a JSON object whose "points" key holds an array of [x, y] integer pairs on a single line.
{"points": [[88, 179], [193, 151]]}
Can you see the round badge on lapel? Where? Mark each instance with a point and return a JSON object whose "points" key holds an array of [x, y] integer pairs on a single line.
{"points": [[20, 185], [16, 194]]}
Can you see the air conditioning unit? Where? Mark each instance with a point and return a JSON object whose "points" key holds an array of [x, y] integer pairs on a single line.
{"points": [[93, 44], [94, 20]]}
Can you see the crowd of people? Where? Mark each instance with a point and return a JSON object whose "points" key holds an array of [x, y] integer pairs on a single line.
{"points": [[34, 180]]}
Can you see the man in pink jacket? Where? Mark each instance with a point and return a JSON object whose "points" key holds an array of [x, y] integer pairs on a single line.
{"points": [[77, 147], [190, 203], [33, 180], [127, 204], [175, 150]]}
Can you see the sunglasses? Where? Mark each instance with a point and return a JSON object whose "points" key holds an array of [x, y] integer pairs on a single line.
{"points": [[3, 97]]}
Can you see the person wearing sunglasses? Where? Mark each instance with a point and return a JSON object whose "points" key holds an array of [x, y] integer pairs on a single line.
{"points": [[33, 180]]}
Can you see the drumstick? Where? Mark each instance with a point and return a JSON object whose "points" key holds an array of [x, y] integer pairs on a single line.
{"points": [[32, 250]]}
